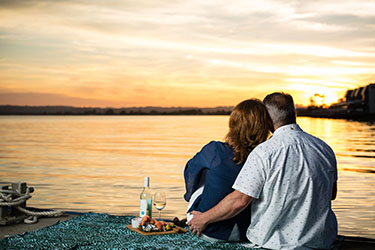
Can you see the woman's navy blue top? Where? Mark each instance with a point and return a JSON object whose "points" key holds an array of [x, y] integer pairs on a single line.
{"points": [[214, 167]]}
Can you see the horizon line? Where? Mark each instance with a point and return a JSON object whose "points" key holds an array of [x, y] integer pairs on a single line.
{"points": [[125, 107]]}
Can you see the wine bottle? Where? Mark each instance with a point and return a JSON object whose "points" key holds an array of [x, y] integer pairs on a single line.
{"points": [[146, 199]]}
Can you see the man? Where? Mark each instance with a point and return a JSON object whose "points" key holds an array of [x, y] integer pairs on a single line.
{"points": [[289, 181]]}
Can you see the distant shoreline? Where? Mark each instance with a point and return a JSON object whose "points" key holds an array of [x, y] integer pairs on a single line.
{"points": [[334, 114], [162, 111], [134, 114], [68, 110]]}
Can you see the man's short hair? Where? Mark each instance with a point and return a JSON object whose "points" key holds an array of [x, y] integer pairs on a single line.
{"points": [[280, 107]]}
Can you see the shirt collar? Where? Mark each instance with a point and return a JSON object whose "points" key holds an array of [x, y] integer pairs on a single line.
{"points": [[287, 128]]}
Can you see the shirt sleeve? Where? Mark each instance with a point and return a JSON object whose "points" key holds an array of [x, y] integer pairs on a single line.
{"points": [[332, 159], [195, 168], [335, 177], [252, 176]]}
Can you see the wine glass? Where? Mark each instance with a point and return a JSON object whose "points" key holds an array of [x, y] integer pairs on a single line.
{"points": [[160, 200]]}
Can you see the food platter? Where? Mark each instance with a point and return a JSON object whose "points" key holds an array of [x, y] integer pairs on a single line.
{"points": [[175, 230]]}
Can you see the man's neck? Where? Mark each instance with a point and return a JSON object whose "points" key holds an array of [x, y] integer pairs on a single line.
{"points": [[279, 125], [276, 126]]}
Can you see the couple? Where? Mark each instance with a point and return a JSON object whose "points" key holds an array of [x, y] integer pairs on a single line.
{"points": [[276, 193]]}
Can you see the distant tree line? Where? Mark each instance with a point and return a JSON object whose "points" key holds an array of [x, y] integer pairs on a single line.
{"points": [[67, 110]]}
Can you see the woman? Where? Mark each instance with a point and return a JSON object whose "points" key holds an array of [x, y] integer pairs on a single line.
{"points": [[210, 174]]}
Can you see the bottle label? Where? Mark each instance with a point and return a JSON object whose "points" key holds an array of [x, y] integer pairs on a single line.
{"points": [[143, 208], [146, 208]]}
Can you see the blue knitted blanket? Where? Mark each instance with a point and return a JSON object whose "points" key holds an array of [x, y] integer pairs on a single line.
{"points": [[104, 231]]}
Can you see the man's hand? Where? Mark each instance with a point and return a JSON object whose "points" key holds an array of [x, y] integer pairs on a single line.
{"points": [[198, 223]]}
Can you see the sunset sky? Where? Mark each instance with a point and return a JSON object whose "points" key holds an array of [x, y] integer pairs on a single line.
{"points": [[182, 53]]}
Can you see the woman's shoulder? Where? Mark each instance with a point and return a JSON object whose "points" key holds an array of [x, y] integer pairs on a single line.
{"points": [[215, 149], [218, 145]]}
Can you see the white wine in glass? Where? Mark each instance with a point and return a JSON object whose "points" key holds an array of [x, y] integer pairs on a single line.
{"points": [[159, 200]]}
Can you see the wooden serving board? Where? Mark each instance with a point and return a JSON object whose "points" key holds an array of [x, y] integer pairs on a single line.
{"points": [[174, 230]]}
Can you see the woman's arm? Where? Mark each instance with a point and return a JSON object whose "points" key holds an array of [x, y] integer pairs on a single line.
{"points": [[196, 167], [334, 191]]}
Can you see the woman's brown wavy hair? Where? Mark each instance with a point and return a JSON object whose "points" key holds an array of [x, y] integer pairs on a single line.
{"points": [[248, 127]]}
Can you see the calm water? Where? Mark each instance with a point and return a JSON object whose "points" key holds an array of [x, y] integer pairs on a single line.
{"points": [[97, 163]]}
